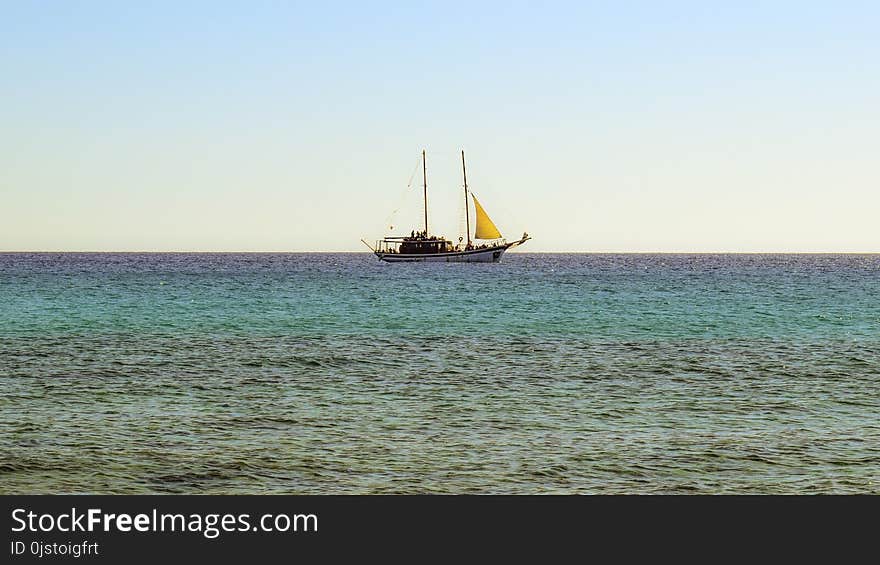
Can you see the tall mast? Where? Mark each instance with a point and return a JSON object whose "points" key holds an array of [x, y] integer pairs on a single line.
{"points": [[425, 181], [467, 215]]}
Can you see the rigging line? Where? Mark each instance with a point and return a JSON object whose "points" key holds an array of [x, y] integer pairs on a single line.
{"points": [[413, 174], [390, 218]]}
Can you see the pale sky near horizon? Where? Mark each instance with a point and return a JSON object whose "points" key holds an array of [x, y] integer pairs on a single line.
{"points": [[295, 126]]}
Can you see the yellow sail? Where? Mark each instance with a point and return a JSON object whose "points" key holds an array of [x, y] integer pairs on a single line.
{"points": [[485, 228]]}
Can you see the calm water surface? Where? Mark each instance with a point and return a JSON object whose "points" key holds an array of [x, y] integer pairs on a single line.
{"points": [[335, 373]]}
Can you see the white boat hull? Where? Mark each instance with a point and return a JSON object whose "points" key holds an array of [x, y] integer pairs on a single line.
{"points": [[487, 255]]}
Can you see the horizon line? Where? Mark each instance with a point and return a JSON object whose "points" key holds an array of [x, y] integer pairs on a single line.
{"points": [[264, 252]]}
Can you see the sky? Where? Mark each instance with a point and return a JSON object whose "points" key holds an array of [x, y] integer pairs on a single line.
{"points": [[298, 126]]}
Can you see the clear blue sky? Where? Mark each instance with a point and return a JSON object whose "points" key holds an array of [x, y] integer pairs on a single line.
{"points": [[285, 126]]}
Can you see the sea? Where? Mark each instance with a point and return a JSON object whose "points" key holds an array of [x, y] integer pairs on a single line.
{"points": [[335, 373]]}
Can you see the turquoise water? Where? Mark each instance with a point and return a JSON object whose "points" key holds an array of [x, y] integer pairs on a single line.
{"points": [[336, 373]]}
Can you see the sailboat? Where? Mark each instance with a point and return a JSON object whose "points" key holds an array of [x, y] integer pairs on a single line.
{"points": [[486, 246]]}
